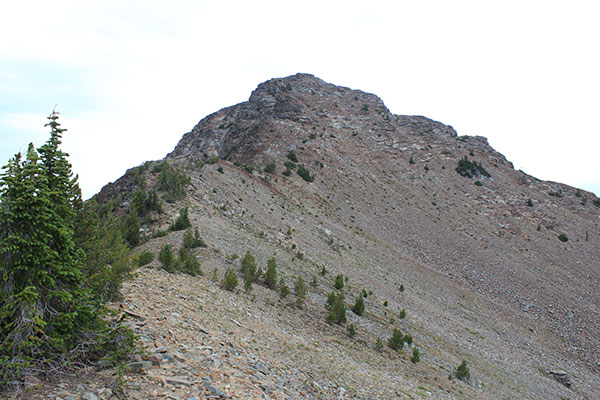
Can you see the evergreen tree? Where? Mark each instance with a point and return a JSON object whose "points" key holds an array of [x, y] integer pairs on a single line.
{"points": [[300, 290], [271, 274], [359, 306], [48, 314]]}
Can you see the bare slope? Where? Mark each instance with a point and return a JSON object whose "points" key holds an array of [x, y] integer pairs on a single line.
{"points": [[487, 278]]}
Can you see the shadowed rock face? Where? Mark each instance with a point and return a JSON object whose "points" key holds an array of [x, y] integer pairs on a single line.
{"points": [[388, 206]]}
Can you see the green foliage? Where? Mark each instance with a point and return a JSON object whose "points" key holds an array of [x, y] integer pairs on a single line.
{"points": [[305, 173], [212, 160], [408, 339], [220, 170], [411, 161], [314, 282], [171, 181], [416, 356], [142, 203], [402, 314], [230, 280], [271, 274], [529, 203], [167, 258], [182, 222], [292, 156], [378, 344], [351, 330], [270, 167], [596, 202], [145, 258], [300, 255], [469, 169], [323, 271], [284, 290], [339, 282], [359, 305], [287, 172], [53, 293], [478, 183], [364, 293], [385, 303], [396, 341], [193, 240], [130, 228], [337, 308], [249, 270], [249, 168], [563, 238], [300, 290], [290, 165], [462, 371], [401, 288], [187, 262]]}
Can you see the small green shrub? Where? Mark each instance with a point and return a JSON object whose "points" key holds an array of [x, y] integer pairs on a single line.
{"points": [[220, 170], [193, 240], [323, 271], [292, 156], [290, 165], [563, 238], [469, 169], [378, 344], [271, 274], [249, 168], [596, 202], [188, 263], [130, 229], [212, 160], [314, 282], [351, 330], [337, 308], [478, 183], [270, 167], [529, 203], [230, 280], [287, 172], [385, 303], [284, 289], [144, 258], [171, 181], [166, 258], [396, 341], [359, 306], [300, 290], [305, 174], [411, 161], [402, 314], [182, 222], [416, 356], [462, 371], [339, 282]]}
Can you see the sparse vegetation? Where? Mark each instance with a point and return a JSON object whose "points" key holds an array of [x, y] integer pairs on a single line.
{"points": [[144, 258], [271, 273], [416, 356], [300, 290], [171, 181], [292, 156], [379, 344], [359, 306], [469, 169], [339, 282], [182, 222], [284, 289], [230, 280], [563, 237], [396, 341], [402, 314], [351, 329], [305, 173], [336, 307], [167, 258], [193, 240], [270, 167], [462, 371]]}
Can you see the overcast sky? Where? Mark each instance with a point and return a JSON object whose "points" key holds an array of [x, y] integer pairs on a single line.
{"points": [[131, 77]]}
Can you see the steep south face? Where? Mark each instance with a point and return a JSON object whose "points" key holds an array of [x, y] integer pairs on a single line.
{"points": [[395, 176]]}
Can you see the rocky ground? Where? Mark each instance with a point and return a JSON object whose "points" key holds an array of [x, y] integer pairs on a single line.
{"points": [[486, 278]]}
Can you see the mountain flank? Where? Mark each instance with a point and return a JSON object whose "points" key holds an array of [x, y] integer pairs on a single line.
{"points": [[439, 234]]}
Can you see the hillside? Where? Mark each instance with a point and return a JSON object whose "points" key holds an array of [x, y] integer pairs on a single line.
{"points": [[395, 201]]}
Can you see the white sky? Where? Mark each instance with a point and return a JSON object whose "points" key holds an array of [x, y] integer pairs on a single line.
{"points": [[131, 77]]}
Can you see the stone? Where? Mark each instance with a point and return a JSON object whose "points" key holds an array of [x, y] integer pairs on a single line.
{"points": [[89, 396], [139, 365], [561, 377]]}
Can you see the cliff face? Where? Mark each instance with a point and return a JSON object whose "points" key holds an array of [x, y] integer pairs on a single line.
{"points": [[403, 200]]}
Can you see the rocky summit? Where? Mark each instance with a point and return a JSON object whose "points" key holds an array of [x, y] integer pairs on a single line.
{"points": [[437, 234]]}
